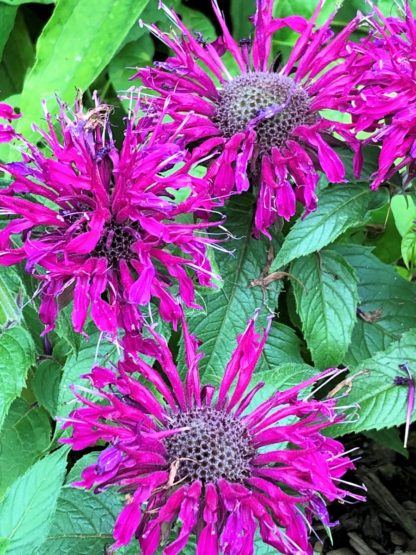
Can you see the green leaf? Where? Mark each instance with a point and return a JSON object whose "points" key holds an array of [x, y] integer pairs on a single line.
{"points": [[24, 438], [7, 17], [382, 403], [134, 54], [387, 304], [229, 309], [197, 22], [76, 44], [325, 288], [282, 346], [390, 438], [340, 207], [240, 12], [78, 364], [29, 504], [65, 328], [19, 2], [18, 57], [408, 247], [17, 354], [83, 522], [45, 384], [4, 544], [404, 212], [11, 296]]}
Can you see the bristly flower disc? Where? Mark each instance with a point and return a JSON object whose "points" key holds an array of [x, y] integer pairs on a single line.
{"points": [[257, 124], [209, 460], [100, 223]]}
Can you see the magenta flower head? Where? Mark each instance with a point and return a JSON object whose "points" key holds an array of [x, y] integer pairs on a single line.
{"points": [[261, 125], [7, 132], [101, 223], [384, 102], [207, 458]]}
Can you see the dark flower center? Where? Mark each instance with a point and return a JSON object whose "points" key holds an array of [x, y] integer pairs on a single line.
{"points": [[252, 94], [115, 243], [217, 446]]}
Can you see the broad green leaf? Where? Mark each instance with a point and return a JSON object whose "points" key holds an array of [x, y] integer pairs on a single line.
{"points": [[17, 354], [404, 212], [228, 310], [24, 438], [29, 504], [325, 288], [11, 296], [45, 384], [7, 17], [83, 522], [282, 346], [382, 403], [240, 13], [19, 2], [76, 44], [390, 438], [387, 304], [340, 207]]}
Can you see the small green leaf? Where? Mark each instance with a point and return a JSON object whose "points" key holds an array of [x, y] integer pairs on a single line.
{"points": [[325, 288], [29, 504], [408, 247], [340, 207], [229, 309], [387, 304], [62, 63], [390, 438], [25, 436], [404, 212], [17, 354], [382, 403], [197, 22]]}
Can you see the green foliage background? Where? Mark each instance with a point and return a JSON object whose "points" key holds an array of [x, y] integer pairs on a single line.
{"points": [[347, 296]]}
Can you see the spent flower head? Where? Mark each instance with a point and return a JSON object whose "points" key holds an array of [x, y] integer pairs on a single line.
{"points": [[102, 224], [207, 457], [260, 125]]}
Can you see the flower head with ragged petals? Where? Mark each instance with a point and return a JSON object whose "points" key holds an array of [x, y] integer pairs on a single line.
{"points": [[103, 224], [383, 64], [7, 132], [205, 457], [260, 126]]}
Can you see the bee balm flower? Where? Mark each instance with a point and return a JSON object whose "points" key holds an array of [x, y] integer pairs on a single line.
{"points": [[262, 126], [205, 457], [101, 222]]}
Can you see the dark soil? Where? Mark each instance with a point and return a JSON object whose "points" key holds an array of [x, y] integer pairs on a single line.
{"points": [[386, 524]]}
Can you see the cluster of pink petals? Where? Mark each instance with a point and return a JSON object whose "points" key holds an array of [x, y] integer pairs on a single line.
{"points": [[74, 202], [286, 487], [383, 65], [7, 132], [193, 78]]}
